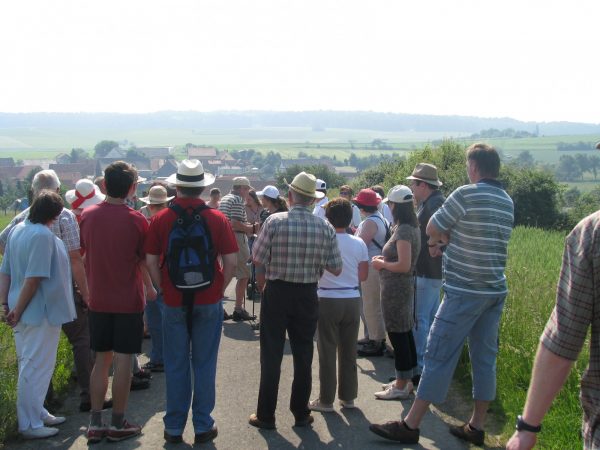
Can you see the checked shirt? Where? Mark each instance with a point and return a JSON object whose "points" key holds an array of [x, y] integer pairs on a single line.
{"points": [[296, 246], [577, 307]]}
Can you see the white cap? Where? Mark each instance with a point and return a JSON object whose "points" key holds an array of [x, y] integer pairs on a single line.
{"points": [[269, 191], [320, 184], [399, 194]]}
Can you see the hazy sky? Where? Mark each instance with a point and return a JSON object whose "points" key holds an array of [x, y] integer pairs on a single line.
{"points": [[527, 59]]}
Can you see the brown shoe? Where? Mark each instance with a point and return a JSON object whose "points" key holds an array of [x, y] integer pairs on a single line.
{"points": [[396, 430], [256, 422], [469, 434], [306, 421]]}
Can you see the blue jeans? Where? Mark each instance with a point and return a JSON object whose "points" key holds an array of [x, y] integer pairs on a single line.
{"points": [[460, 317], [427, 303], [154, 313], [184, 358]]}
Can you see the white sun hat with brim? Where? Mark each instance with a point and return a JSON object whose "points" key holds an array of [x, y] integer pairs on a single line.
{"points": [[190, 173], [305, 184], [399, 194], [157, 195], [269, 191], [85, 194]]}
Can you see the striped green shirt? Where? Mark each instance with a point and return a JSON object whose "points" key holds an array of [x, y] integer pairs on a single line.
{"points": [[479, 219]]}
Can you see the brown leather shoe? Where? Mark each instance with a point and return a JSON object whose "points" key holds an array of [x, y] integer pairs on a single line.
{"points": [[396, 430], [207, 436], [466, 433], [256, 422]]}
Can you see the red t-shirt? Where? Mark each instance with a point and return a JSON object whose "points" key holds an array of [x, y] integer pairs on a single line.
{"points": [[113, 239], [223, 241]]}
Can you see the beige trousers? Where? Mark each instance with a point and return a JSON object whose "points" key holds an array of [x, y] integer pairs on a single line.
{"points": [[372, 306]]}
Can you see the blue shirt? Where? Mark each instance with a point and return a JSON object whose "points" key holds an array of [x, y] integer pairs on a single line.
{"points": [[479, 219], [32, 251]]}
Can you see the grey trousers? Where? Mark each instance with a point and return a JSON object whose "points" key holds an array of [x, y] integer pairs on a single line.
{"points": [[78, 334], [337, 332]]}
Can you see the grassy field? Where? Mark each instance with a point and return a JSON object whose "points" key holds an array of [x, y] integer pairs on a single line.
{"points": [[9, 371], [532, 271]]}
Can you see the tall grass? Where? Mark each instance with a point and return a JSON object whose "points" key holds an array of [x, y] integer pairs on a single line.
{"points": [[532, 271], [9, 371]]}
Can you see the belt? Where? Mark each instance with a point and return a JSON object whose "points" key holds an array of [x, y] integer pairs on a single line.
{"points": [[355, 288]]}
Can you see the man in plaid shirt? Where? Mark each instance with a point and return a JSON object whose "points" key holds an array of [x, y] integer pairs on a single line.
{"points": [[295, 247], [577, 307]]}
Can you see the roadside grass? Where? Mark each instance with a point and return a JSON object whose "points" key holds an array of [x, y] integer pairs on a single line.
{"points": [[9, 371], [534, 261]]}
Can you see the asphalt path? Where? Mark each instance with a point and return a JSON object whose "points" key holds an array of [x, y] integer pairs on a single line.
{"points": [[237, 389]]}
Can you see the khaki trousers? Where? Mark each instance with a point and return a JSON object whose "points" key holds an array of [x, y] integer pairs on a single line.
{"points": [[372, 306]]}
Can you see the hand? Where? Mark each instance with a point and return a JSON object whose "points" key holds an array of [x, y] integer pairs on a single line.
{"points": [[86, 299], [151, 293], [436, 251], [260, 286], [521, 440], [377, 262], [12, 319]]}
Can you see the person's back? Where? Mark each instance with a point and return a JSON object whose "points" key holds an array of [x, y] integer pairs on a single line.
{"points": [[113, 237]]}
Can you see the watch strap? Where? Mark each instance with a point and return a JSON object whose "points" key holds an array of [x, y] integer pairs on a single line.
{"points": [[521, 425]]}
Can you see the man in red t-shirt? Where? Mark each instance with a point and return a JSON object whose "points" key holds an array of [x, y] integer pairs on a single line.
{"points": [[201, 344], [112, 235]]}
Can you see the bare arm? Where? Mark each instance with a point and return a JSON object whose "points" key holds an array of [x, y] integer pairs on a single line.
{"points": [[151, 293], [335, 272], [244, 227], [368, 231], [4, 287], [78, 271], [229, 263], [436, 236], [404, 259], [548, 377], [28, 290], [152, 265], [363, 270]]}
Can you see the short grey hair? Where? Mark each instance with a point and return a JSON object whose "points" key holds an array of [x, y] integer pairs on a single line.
{"points": [[45, 179], [301, 199]]}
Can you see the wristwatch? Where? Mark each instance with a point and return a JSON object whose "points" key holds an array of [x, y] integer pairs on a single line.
{"points": [[521, 425]]}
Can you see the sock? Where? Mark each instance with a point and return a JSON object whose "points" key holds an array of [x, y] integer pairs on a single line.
{"points": [[96, 418], [117, 420]]}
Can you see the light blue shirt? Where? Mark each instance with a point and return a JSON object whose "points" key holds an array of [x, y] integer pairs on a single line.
{"points": [[32, 251]]}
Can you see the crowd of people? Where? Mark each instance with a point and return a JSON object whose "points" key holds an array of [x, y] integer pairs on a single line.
{"points": [[423, 273]]}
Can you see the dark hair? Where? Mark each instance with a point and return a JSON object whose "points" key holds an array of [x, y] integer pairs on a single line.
{"points": [[433, 187], [214, 191], [279, 202], [404, 213], [187, 191], [46, 206], [369, 209], [99, 181], [486, 158], [118, 178], [339, 212], [379, 189]]}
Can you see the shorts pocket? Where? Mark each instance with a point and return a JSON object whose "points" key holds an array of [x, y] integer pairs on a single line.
{"points": [[439, 340]]}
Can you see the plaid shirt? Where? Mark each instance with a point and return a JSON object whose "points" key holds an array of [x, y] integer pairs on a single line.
{"points": [[578, 306], [65, 228], [297, 246]]}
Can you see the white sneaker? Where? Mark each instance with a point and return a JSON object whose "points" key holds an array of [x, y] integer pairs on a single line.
{"points": [[39, 433], [347, 404], [51, 420], [316, 405], [392, 393]]}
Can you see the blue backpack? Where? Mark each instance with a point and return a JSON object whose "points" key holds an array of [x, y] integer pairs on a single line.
{"points": [[190, 255]]}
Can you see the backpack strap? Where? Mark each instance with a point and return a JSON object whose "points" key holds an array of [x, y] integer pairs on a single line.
{"points": [[387, 230]]}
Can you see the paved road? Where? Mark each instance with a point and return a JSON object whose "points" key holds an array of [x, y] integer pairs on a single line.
{"points": [[237, 390]]}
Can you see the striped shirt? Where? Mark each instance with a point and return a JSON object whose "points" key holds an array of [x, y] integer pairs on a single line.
{"points": [[296, 246], [479, 219], [234, 207], [577, 307], [65, 228]]}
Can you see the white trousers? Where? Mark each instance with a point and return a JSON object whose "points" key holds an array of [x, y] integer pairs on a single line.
{"points": [[36, 353]]}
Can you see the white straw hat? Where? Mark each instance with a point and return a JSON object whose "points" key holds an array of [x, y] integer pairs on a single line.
{"points": [[85, 194], [190, 173], [305, 184]]}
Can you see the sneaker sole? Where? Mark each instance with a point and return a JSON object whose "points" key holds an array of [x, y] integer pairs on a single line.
{"points": [[122, 438]]}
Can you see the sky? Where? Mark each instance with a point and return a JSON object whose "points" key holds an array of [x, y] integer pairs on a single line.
{"points": [[530, 60]]}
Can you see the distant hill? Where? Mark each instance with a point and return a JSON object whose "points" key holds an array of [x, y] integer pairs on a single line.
{"points": [[318, 120]]}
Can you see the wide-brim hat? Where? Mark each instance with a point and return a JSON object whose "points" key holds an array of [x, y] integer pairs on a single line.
{"points": [[242, 181], [157, 195], [367, 197], [85, 194], [399, 194], [425, 172], [190, 173], [305, 183]]}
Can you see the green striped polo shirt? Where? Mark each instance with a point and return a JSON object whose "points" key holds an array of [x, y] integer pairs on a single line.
{"points": [[479, 219]]}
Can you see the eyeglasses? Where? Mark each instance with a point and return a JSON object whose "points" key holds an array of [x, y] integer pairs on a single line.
{"points": [[345, 193]]}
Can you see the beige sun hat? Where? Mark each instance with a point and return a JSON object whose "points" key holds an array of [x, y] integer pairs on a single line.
{"points": [[190, 173], [425, 172], [157, 195], [305, 184], [85, 194]]}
